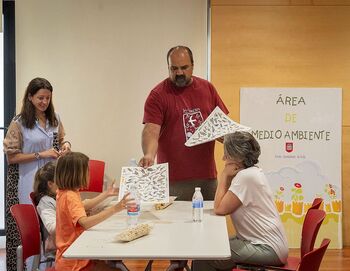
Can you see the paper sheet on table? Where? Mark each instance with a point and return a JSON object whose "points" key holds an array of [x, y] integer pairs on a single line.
{"points": [[215, 126], [152, 182]]}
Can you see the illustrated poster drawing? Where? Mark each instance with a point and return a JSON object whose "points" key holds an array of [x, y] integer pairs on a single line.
{"points": [[215, 126], [299, 132], [152, 183]]}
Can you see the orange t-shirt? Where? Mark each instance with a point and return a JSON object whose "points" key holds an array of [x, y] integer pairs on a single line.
{"points": [[69, 209]]}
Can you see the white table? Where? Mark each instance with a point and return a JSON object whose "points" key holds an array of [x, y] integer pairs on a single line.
{"points": [[174, 236]]}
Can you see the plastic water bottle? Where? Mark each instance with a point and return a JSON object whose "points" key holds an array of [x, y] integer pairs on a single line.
{"points": [[197, 205], [133, 210]]}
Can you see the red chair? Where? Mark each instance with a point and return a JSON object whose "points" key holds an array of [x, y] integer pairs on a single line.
{"points": [[97, 172], [29, 231], [316, 203], [311, 225], [311, 261], [32, 198]]}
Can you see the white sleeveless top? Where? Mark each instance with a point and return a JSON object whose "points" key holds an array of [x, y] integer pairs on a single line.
{"points": [[257, 219]]}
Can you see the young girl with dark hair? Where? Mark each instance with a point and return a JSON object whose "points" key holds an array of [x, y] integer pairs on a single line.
{"points": [[45, 200]]}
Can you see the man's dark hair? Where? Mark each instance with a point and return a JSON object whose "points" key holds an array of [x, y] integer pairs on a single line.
{"points": [[180, 47]]}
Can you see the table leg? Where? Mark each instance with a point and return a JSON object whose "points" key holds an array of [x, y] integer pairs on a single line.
{"points": [[149, 266], [120, 265], [174, 265]]}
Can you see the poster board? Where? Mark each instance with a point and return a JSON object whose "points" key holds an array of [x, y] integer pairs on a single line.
{"points": [[216, 125], [152, 183], [299, 131]]}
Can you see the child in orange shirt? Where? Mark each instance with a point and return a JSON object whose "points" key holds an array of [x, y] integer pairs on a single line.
{"points": [[71, 220]]}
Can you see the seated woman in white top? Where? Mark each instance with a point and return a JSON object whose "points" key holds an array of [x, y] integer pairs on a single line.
{"points": [[244, 193]]}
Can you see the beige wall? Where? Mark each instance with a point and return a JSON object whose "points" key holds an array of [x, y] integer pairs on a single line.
{"points": [[283, 43], [102, 58]]}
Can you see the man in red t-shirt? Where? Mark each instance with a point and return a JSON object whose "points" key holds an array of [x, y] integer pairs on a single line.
{"points": [[173, 111]]}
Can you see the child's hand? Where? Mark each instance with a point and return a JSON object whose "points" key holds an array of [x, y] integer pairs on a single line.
{"points": [[112, 190], [124, 203]]}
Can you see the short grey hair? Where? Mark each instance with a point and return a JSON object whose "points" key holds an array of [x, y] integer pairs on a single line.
{"points": [[242, 146]]}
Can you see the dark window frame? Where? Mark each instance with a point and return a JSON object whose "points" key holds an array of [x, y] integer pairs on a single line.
{"points": [[8, 9]]}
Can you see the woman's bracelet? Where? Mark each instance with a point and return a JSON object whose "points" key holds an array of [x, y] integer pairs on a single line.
{"points": [[64, 142]]}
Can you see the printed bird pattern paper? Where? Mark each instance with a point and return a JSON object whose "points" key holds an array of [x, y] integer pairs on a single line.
{"points": [[215, 126], [152, 183]]}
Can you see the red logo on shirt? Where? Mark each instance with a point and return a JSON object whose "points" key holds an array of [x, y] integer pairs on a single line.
{"points": [[192, 119]]}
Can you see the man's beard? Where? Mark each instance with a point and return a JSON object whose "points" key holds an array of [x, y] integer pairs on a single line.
{"points": [[181, 81]]}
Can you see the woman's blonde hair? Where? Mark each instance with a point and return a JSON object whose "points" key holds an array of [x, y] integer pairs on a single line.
{"points": [[72, 171]]}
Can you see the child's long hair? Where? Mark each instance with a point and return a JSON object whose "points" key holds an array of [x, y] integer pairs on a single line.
{"points": [[72, 171], [41, 179]]}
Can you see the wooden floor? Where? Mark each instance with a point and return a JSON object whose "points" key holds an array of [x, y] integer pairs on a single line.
{"points": [[334, 260]]}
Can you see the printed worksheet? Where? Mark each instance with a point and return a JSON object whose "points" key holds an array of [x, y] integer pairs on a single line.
{"points": [[152, 183], [215, 126]]}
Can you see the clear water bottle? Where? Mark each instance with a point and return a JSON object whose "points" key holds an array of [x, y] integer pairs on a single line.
{"points": [[197, 205], [133, 210]]}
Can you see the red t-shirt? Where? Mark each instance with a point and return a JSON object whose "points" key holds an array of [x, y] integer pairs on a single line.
{"points": [[179, 112]]}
